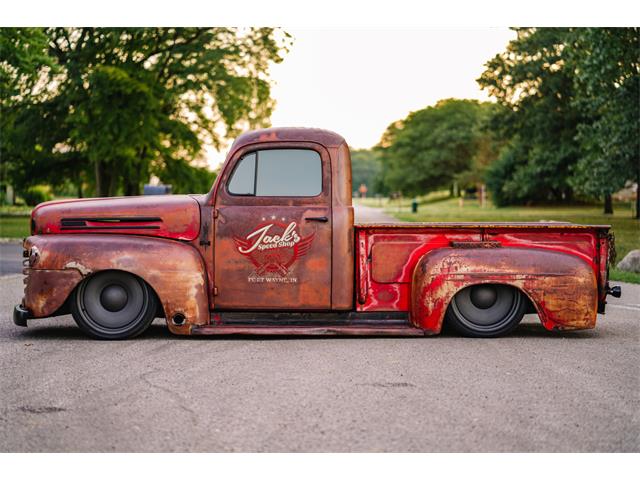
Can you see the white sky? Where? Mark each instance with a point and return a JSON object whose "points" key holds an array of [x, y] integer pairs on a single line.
{"points": [[356, 82]]}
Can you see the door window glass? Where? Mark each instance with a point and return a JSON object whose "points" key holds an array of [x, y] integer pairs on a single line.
{"points": [[278, 173]]}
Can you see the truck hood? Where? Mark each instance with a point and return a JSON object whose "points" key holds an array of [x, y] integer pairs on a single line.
{"points": [[171, 216]]}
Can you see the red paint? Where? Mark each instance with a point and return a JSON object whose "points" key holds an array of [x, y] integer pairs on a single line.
{"points": [[169, 216], [576, 241]]}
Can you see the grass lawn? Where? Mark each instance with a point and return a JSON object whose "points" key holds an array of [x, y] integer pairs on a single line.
{"points": [[14, 226], [625, 228]]}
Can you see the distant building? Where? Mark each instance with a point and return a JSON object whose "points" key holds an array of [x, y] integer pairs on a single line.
{"points": [[156, 189]]}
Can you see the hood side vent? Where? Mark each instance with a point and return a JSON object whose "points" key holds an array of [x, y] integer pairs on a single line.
{"points": [[109, 223]]}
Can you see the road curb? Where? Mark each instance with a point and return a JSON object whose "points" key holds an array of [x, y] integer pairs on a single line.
{"points": [[17, 241]]}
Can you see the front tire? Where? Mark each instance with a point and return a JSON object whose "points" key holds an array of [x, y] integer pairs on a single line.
{"points": [[113, 305], [486, 310]]}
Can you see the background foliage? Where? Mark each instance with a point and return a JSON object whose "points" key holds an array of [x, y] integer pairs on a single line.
{"points": [[571, 115], [366, 168], [437, 145], [108, 107], [565, 126], [98, 111]]}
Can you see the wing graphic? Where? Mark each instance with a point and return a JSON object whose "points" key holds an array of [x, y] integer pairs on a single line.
{"points": [[243, 244], [301, 248]]}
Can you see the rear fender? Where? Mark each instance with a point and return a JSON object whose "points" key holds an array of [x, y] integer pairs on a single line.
{"points": [[174, 270], [561, 287]]}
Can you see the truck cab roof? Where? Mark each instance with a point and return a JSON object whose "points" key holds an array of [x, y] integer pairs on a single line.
{"points": [[325, 138]]}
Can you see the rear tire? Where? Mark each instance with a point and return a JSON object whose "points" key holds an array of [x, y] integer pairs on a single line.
{"points": [[113, 305], [486, 310]]}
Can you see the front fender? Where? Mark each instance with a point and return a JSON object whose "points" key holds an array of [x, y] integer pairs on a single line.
{"points": [[173, 269], [561, 287]]}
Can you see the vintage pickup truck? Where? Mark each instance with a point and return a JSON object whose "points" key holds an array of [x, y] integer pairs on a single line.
{"points": [[273, 249]]}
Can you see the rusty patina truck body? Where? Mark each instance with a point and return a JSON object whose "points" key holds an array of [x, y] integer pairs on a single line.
{"points": [[273, 249]]}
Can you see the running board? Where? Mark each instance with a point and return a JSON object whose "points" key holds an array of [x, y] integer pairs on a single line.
{"points": [[363, 330], [309, 323], [311, 319]]}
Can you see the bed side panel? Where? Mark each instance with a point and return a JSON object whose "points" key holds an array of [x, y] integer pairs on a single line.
{"points": [[387, 255]]}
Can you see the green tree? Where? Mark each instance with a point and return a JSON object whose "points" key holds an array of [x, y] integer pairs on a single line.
{"points": [[570, 117], [487, 149], [432, 146], [25, 69], [607, 80], [126, 103], [538, 120], [24, 65], [365, 169]]}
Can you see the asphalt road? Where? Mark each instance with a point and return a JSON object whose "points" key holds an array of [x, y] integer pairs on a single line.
{"points": [[531, 391], [10, 257]]}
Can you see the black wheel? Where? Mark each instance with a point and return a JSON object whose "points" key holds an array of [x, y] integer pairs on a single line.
{"points": [[113, 305], [486, 310]]}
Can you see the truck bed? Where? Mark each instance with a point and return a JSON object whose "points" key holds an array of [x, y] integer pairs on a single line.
{"points": [[387, 253]]}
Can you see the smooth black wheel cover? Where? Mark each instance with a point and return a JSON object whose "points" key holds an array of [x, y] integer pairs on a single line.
{"points": [[486, 310], [113, 305]]}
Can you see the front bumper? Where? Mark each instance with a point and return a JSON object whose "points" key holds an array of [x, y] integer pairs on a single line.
{"points": [[21, 315]]}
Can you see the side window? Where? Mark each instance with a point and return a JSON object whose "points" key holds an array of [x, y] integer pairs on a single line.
{"points": [[278, 173], [243, 179]]}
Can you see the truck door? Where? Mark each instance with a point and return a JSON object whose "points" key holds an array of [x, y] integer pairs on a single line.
{"points": [[273, 230]]}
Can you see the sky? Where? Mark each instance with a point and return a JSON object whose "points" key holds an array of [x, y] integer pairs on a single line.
{"points": [[356, 82]]}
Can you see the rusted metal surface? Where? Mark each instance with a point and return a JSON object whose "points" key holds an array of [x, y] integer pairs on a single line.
{"points": [[174, 270], [296, 276], [606, 255], [476, 244], [335, 199], [204, 244], [343, 261], [390, 260], [46, 290], [328, 330], [363, 268], [170, 216], [394, 253], [579, 242], [562, 287], [393, 257]]}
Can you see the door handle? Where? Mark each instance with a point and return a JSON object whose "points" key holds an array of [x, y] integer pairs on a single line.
{"points": [[316, 219]]}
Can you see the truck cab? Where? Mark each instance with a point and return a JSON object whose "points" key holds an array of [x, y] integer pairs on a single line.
{"points": [[273, 249], [283, 236]]}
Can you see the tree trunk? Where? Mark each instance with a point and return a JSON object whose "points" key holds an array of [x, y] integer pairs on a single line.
{"points": [[638, 195], [131, 187], [133, 180], [99, 181], [113, 185], [104, 180], [608, 204]]}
